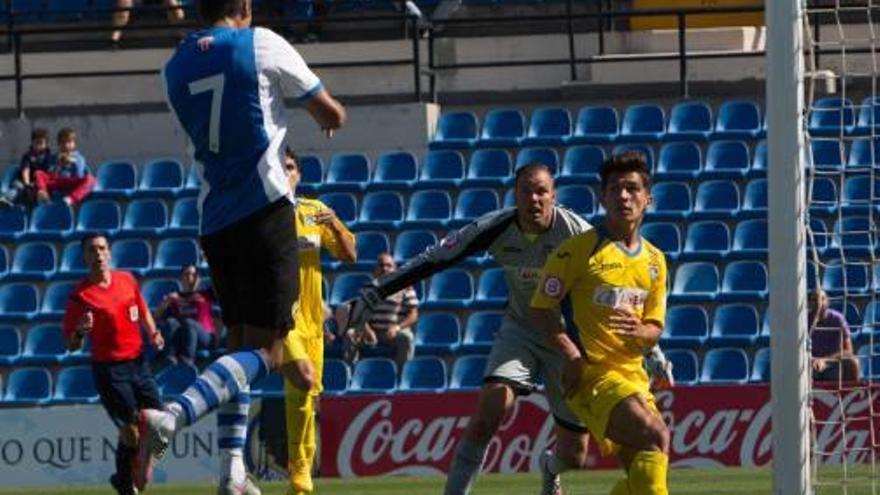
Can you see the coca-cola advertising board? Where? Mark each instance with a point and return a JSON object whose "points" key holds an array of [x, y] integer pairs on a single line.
{"points": [[710, 426]]}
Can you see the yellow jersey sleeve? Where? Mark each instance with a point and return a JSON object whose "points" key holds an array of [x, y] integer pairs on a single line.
{"points": [[328, 239], [559, 275], [655, 303]]}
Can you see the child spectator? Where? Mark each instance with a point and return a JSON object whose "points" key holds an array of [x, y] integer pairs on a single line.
{"points": [[36, 158], [68, 173]]}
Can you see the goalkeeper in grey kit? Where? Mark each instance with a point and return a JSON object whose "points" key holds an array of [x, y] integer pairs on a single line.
{"points": [[519, 239]]}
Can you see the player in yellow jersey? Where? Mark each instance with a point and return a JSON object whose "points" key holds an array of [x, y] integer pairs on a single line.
{"points": [[317, 227], [615, 282]]}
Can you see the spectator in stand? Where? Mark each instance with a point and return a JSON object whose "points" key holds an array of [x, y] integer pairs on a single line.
{"points": [[186, 320], [831, 344], [36, 158], [68, 173], [390, 322], [122, 15]]}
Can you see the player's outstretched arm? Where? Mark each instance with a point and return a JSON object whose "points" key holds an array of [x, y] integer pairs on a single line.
{"points": [[327, 111]]}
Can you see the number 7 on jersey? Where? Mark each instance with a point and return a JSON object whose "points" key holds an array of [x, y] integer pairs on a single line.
{"points": [[214, 84]]}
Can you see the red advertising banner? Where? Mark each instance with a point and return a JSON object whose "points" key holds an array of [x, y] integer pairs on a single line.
{"points": [[710, 426]]}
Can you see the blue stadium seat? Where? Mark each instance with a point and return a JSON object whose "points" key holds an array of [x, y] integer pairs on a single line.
{"points": [[548, 127], [335, 376], [116, 179], [509, 199], [754, 199], [44, 345], [472, 204], [67, 10], [311, 170], [381, 210], [759, 160], [28, 387], [577, 198], [672, 201], [854, 235], [689, 120], [395, 171], [10, 345], [72, 263], [452, 289], [411, 243], [726, 160], [75, 385], [173, 254], [679, 161], [423, 374], [441, 170], [347, 172], [270, 387], [869, 360], [738, 120], [644, 148], [13, 223], [827, 154], [695, 282], [156, 289], [144, 218], [598, 124], [502, 127], [850, 279], [369, 246], [761, 366], [725, 366], [51, 221], [864, 154], [869, 117], [685, 366], [467, 373], [344, 204], [184, 218], [455, 130], [4, 262], [643, 123], [750, 239], [832, 116], [861, 194], [429, 210], [581, 165], [665, 236], [492, 290], [744, 281], [547, 156], [374, 375], [174, 380], [55, 301], [686, 326], [100, 215], [716, 199], [346, 286], [33, 261], [192, 184], [18, 301], [9, 175], [134, 255], [479, 332], [489, 168], [735, 325], [823, 195], [160, 178], [707, 240], [437, 334]]}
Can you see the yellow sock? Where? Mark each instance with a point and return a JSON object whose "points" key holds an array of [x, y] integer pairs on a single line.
{"points": [[647, 473], [299, 412], [621, 488]]}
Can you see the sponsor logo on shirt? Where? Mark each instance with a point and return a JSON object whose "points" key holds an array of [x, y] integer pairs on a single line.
{"points": [[619, 297], [603, 267], [133, 313], [528, 274], [309, 242], [553, 287]]}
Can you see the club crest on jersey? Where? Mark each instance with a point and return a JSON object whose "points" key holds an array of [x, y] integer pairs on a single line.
{"points": [[133, 313], [553, 287], [654, 271]]}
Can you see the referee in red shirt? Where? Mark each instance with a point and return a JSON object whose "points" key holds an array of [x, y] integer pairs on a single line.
{"points": [[108, 306]]}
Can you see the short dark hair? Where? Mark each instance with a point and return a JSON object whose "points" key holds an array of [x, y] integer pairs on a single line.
{"points": [[186, 267], [626, 162], [65, 134], [90, 236], [289, 153], [530, 169], [40, 133], [214, 10]]}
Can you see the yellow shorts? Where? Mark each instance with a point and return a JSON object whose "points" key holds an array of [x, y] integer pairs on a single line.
{"points": [[299, 347], [602, 388]]}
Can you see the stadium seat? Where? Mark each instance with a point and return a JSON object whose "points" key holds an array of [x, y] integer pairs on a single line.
{"points": [[192, 183], [455, 130], [577, 198], [344, 204], [4, 262], [738, 120], [411, 243], [395, 171], [501, 128], [716, 199], [750, 239], [581, 165], [707, 240], [868, 121], [827, 154], [43, 345], [695, 282], [270, 387], [832, 116], [116, 179], [665, 236], [509, 199], [761, 366], [133, 255], [174, 380], [381, 210], [10, 345], [441, 170], [726, 160], [347, 172], [672, 201], [55, 301], [598, 124], [754, 200], [492, 290], [759, 160], [452, 289], [689, 121], [685, 367], [173, 254], [643, 123], [75, 385], [467, 373], [33, 261], [13, 223], [850, 279], [156, 289], [489, 168], [472, 204], [184, 218], [744, 281], [144, 218], [861, 194], [18, 301], [374, 375], [100, 215], [9, 175], [346, 286], [67, 10], [548, 127], [430, 209], [855, 236], [311, 170], [51, 222], [679, 161], [735, 325], [725, 366], [72, 263], [28, 387], [423, 374], [823, 196], [547, 156], [437, 334], [335, 376], [686, 326], [864, 154], [160, 178], [479, 332], [369, 246]]}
